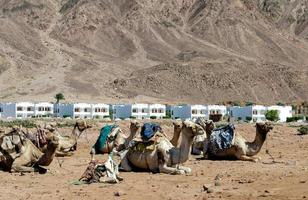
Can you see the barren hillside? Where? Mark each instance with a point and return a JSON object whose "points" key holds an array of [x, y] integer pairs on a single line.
{"points": [[192, 51]]}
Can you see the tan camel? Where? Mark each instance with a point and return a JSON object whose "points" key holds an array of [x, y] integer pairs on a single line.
{"points": [[19, 154], [67, 144], [200, 142], [164, 156], [117, 140], [242, 149], [177, 125]]}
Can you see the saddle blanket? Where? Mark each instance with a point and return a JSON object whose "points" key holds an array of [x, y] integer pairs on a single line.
{"points": [[221, 139]]}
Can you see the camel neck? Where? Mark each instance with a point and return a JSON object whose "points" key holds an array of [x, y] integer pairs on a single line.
{"points": [[185, 147], [48, 157], [133, 133], [175, 139], [255, 146]]}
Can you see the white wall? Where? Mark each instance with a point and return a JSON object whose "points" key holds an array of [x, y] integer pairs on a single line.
{"points": [[43, 108], [198, 111], [283, 111], [159, 108]]}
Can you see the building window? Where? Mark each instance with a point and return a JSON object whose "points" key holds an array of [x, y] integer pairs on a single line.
{"points": [[262, 112], [19, 108], [254, 112], [47, 109], [154, 110], [212, 112], [19, 116], [97, 110], [87, 110], [203, 112], [103, 110], [29, 108], [115, 111], [1, 110], [161, 110], [135, 110], [77, 109], [144, 110], [194, 112]]}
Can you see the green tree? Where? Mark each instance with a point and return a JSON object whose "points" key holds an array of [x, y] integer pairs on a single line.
{"points": [[59, 97], [272, 115]]}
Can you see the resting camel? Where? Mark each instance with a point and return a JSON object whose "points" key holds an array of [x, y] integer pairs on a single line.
{"points": [[19, 154], [242, 149], [177, 125], [67, 144], [118, 141], [164, 156], [200, 142]]}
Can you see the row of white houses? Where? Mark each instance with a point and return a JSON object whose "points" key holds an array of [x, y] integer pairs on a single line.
{"points": [[253, 113]]}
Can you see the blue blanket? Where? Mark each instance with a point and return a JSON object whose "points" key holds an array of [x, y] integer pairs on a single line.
{"points": [[221, 139], [148, 130], [103, 136]]}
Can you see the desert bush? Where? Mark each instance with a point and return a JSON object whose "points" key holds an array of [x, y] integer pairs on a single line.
{"points": [[295, 118], [303, 130], [68, 5], [23, 123], [272, 115]]}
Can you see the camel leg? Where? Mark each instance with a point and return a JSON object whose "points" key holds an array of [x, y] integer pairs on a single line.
{"points": [[186, 169], [125, 166], [163, 168], [63, 154], [19, 168], [195, 151], [92, 152], [247, 158]]}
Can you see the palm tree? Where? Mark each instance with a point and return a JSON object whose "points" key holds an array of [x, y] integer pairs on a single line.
{"points": [[59, 97]]}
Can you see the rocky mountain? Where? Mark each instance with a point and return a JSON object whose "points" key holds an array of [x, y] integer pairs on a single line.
{"points": [[193, 51]]}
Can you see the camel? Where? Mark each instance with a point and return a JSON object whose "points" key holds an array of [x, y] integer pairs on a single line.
{"points": [[177, 125], [116, 141], [67, 144], [19, 154], [240, 148], [162, 156], [200, 142]]}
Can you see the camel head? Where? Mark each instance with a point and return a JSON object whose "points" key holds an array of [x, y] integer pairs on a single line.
{"points": [[192, 128], [134, 126], [177, 125], [82, 125], [207, 125], [52, 139], [264, 128]]}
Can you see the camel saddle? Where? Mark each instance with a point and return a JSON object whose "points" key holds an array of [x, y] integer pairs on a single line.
{"points": [[107, 133], [11, 144], [221, 138], [141, 145]]}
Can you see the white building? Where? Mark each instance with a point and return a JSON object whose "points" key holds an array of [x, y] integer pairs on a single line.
{"points": [[253, 113], [157, 111], [188, 111], [43, 109], [283, 111], [17, 110], [81, 110], [256, 113], [137, 111]]}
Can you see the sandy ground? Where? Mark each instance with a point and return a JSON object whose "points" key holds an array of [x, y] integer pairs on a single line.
{"points": [[287, 179]]}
